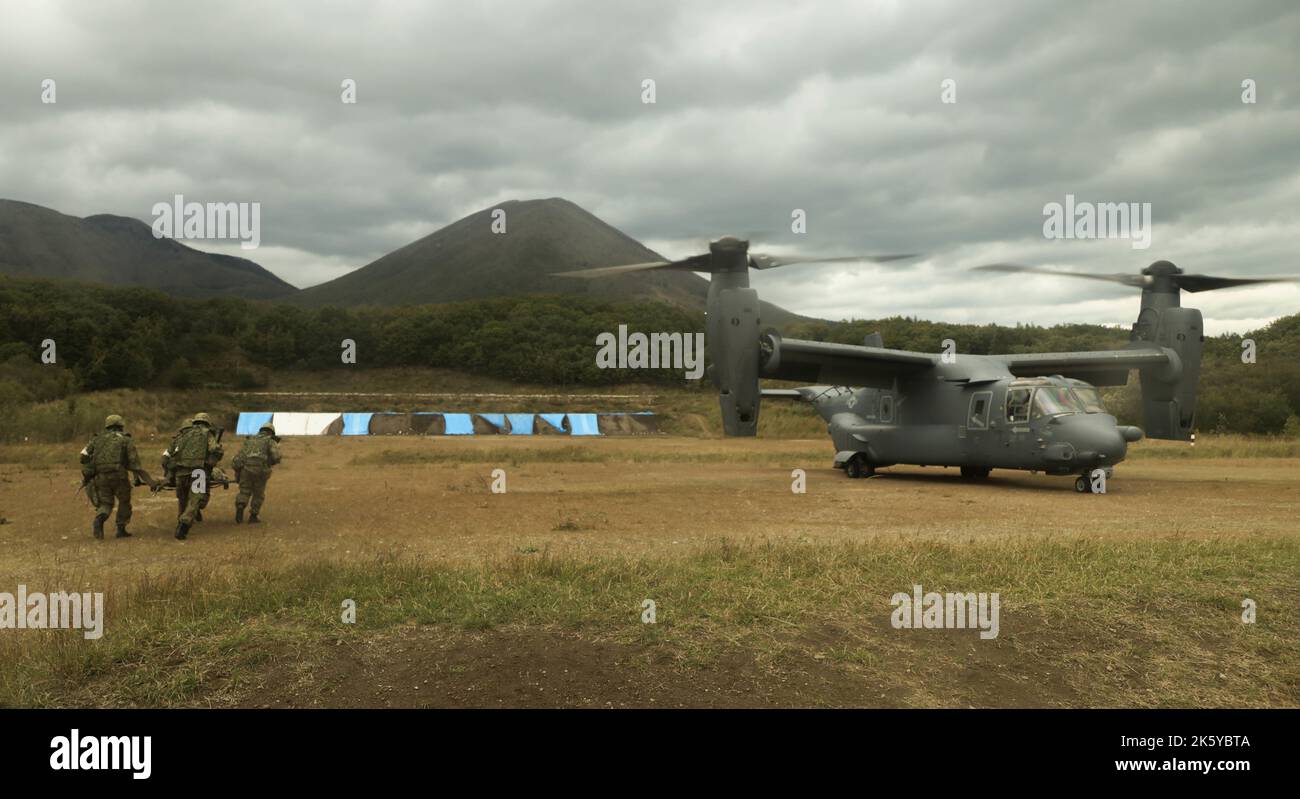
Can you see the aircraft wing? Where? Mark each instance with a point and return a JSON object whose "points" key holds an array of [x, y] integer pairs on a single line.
{"points": [[1100, 368], [840, 364]]}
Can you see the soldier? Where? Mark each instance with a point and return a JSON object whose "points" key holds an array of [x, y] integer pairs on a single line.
{"points": [[105, 462], [253, 469], [169, 474], [195, 448]]}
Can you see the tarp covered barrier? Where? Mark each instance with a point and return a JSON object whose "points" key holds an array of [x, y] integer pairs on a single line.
{"points": [[307, 424], [459, 424], [251, 421], [554, 420], [431, 423], [496, 423], [356, 424], [424, 423], [389, 423], [583, 424]]}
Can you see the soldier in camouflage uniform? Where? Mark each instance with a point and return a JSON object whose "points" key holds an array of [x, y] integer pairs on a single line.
{"points": [[253, 469], [105, 464], [169, 475], [195, 448]]}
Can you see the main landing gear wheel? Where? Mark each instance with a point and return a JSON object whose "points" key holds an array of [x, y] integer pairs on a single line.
{"points": [[975, 472], [1083, 485], [857, 467]]}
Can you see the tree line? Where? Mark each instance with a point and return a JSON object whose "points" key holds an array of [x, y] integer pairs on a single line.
{"points": [[126, 337]]}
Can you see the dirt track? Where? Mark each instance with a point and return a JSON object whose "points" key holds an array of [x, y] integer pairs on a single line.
{"points": [[346, 497]]}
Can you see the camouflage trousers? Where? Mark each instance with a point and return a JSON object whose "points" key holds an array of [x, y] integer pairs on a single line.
{"points": [[107, 488], [189, 502], [252, 488]]}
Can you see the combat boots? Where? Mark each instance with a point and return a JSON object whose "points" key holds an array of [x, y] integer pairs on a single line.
{"points": [[182, 530], [252, 518], [97, 527], [121, 531], [239, 514], [198, 515]]}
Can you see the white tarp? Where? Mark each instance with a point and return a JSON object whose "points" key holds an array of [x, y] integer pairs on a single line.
{"points": [[303, 424]]}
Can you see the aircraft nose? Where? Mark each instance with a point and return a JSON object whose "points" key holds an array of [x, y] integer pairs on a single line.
{"points": [[1095, 438], [1101, 441]]}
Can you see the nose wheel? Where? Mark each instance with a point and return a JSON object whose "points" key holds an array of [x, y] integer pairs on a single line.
{"points": [[857, 467], [1084, 485]]}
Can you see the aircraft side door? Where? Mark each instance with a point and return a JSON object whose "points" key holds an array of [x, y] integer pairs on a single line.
{"points": [[978, 433], [1018, 436]]}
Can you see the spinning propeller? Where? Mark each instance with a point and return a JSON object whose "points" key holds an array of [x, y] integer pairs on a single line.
{"points": [[731, 246], [1158, 275]]}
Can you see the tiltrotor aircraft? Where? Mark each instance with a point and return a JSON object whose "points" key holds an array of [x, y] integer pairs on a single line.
{"points": [[1035, 412]]}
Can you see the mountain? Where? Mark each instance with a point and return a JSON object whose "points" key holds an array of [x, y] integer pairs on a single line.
{"points": [[466, 260], [40, 242], [462, 261]]}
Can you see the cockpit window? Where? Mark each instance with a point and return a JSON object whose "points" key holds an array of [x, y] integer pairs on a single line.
{"points": [[1090, 399], [1054, 401], [1018, 404]]}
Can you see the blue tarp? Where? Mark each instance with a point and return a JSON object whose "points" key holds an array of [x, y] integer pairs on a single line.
{"points": [[356, 424], [521, 424], [459, 424], [250, 423], [583, 424], [555, 420]]}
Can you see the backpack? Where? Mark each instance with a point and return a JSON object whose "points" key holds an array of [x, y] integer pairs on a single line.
{"points": [[110, 451], [256, 452], [190, 449]]}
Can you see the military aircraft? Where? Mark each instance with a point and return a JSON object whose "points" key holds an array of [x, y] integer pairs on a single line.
{"points": [[1034, 412]]}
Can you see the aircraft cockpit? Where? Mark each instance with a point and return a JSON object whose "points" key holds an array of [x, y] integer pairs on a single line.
{"points": [[1045, 397]]}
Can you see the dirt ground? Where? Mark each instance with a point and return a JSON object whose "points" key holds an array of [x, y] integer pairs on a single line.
{"points": [[431, 498], [338, 497]]}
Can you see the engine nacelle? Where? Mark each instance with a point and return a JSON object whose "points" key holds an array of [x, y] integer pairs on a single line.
{"points": [[734, 324], [1169, 399]]}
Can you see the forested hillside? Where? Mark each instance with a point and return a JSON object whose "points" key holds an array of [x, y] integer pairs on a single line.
{"points": [[130, 337]]}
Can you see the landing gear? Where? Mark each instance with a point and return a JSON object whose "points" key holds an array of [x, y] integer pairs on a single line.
{"points": [[857, 467], [1093, 482], [975, 472]]}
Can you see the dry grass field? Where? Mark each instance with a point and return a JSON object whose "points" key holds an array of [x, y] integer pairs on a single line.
{"points": [[763, 597]]}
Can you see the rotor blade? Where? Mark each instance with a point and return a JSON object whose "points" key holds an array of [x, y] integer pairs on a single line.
{"points": [[761, 261], [1210, 283], [696, 263], [1136, 281], [1183, 281], [603, 271]]}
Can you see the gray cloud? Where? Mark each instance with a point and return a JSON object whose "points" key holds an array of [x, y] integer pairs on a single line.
{"points": [[762, 108]]}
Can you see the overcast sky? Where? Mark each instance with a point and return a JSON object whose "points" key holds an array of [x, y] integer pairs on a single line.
{"points": [[761, 108]]}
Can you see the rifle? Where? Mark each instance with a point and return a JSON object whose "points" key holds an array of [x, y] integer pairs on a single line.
{"points": [[85, 489]]}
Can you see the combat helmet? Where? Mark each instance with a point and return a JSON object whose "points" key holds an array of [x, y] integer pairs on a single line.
{"points": [[267, 426], [201, 417], [113, 420]]}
